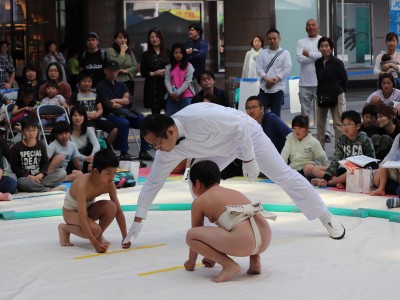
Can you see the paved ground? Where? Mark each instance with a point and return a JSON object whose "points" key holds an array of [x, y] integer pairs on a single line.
{"points": [[354, 100]]}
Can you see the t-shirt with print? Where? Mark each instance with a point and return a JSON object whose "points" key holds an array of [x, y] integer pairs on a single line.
{"points": [[88, 101], [29, 160], [70, 151], [94, 63], [57, 100]]}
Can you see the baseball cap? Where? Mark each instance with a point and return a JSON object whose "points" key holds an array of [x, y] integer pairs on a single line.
{"points": [[92, 35], [113, 65]]}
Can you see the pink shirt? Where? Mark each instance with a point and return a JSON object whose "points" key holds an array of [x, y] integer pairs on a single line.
{"points": [[177, 79]]}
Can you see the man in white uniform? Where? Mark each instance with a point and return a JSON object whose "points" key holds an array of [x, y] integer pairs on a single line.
{"points": [[307, 53], [210, 131]]}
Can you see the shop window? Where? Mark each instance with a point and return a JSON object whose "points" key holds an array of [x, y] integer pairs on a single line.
{"points": [[354, 34]]}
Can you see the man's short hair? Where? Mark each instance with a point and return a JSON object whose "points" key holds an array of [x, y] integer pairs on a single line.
{"points": [[273, 30], [205, 72], [156, 124], [84, 74], [351, 115], [255, 98], [196, 27], [370, 109], [206, 171], [105, 158]]}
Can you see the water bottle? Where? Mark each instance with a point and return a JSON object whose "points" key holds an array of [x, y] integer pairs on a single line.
{"points": [[174, 89]]}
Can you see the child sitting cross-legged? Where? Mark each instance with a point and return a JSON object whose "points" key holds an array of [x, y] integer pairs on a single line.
{"points": [[351, 143], [303, 152], [62, 150], [30, 163]]}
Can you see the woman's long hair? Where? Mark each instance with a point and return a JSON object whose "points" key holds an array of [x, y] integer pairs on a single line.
{"points": [[150, 49], [184, 62], [82, 111], [124, 33]]}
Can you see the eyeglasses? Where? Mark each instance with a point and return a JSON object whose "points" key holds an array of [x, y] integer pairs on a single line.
{"points": [[347, 125], [252, 107], [206, 78], [157, 145]]}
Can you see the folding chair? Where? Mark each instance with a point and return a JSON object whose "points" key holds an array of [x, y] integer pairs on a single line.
{"points": [[135, 139], [49, 109], [10, 131]]}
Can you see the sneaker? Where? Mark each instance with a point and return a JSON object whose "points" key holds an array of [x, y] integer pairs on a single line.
{"points": [[327, 138], [335, 228], [5, 197], [393, 202], [125, 156], [59, 188], [144, 155], [142, 164]]}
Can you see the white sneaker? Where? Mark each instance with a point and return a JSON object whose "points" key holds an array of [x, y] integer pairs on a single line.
{"points": [[335, 228]]}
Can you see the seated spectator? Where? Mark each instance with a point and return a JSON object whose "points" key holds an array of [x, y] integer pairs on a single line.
{"points": [[351, 143], [389, 130], [386, 180], [32, 76], [8, 185], [386, 95], [23, 107], [53, 98], [178, 80], [272, 125], [54, 72], [206, 80], [369, 120], [84, 139], [62, 150], [29, 162], [115, 98], [303, 152], [94, 109]]}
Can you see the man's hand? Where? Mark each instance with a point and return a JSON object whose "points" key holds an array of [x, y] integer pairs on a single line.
{"points": [[134, 231], [251, 170]]}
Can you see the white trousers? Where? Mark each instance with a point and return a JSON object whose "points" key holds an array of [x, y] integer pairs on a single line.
{"points": [[272, 165]]}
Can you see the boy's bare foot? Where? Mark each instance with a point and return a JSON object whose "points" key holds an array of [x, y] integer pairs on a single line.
{"points": [[102, 240], [227, 273], [341, 186], [64, 236], [255, 265], [377, 192]]}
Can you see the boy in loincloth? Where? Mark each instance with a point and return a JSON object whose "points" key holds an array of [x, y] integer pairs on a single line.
{"points": [[242, 230], [81, 211]]}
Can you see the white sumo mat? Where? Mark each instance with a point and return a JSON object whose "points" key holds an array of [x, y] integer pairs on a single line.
{"points": [[302, 262]]}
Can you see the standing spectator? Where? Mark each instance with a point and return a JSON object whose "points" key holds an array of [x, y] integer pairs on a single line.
{"points": [[54, 72], [52, 55], [273, 66], [6, 67], [249, 65], [123, 55], [178, 80], [307, 53], [152, 68], [197, 50], [207, 83], [73, 69], [332, 80], [32, 78], [272, 125], [93, 59]]}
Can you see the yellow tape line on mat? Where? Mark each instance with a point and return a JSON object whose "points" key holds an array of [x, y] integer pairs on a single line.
{"points": [[118, 251], [165, 270]]}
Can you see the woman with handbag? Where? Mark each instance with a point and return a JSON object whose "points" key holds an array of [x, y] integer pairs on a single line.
{"points": [[332, 83]]}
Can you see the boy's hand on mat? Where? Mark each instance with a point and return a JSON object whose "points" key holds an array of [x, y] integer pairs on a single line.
{"points": [[208, 263], [134, 231], [189, 265], [100, 247], [250, 170]]}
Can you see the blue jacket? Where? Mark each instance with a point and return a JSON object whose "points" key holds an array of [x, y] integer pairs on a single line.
{"points": [[275, 129]]}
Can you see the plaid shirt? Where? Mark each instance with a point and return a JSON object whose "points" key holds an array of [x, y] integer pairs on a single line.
{"points": [[5, 67]]}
